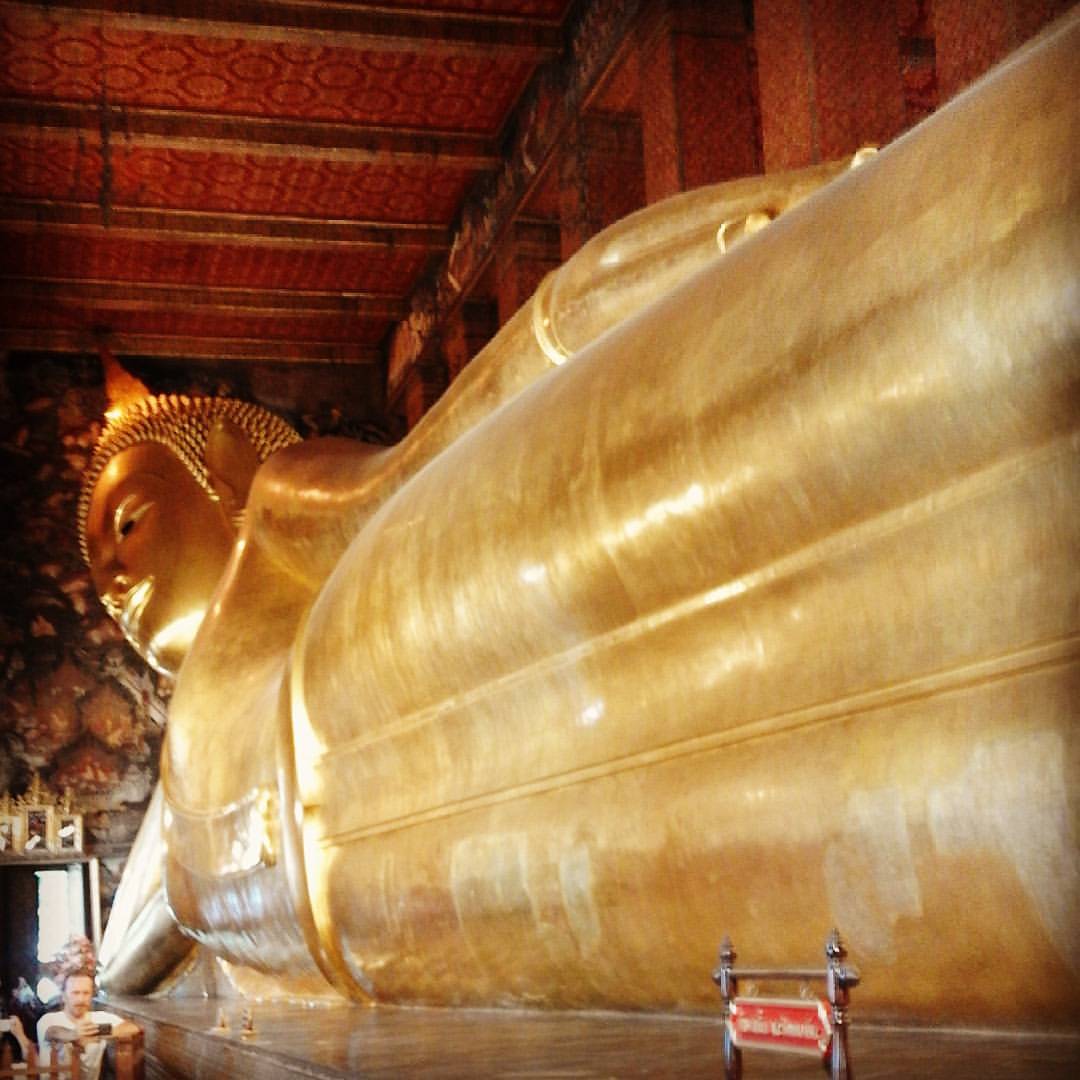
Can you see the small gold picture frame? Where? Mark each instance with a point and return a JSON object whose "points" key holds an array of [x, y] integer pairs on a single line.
{"points": [[10, 833], [38, 826], [69, 833]]}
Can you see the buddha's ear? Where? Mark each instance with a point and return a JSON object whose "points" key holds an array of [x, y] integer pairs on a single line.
{"points": [[231, 461]]}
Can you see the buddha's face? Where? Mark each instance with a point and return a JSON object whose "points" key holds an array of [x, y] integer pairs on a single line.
{"points": [[158, 544]]}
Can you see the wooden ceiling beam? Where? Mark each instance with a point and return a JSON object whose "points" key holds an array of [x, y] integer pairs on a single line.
{"points": [[374, 27], [145, 296], [20, 215], [192, 348], [178, 130]]}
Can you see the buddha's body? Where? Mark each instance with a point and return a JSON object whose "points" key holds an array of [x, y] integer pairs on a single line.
{"points": [[756, 616]]}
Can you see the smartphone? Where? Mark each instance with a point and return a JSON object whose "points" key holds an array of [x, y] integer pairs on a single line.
{"points": [[104, 1029], [5, 1025]]}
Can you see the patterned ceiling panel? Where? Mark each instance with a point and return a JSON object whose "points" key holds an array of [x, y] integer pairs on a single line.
{"points": [[52, 59], [266, 150], [302, 327], [39, 165], [32, 165], [102, 257]]}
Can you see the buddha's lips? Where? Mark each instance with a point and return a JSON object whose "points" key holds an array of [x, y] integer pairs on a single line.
{"points": [[134, 604]]}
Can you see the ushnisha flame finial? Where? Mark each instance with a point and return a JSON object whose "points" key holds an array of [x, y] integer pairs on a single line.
{"points": [[122, 389]]}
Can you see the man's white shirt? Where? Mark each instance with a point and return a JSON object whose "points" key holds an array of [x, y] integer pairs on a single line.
{"points": [[93, 1049]]}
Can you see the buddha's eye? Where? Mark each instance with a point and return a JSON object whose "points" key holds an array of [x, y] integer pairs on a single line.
{"points": [[127, 516]]}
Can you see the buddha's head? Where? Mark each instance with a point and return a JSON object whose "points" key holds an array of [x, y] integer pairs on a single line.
{"points": [[159, 509]]}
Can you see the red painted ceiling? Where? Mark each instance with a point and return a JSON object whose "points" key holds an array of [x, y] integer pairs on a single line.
{"points": [[250, 178]]}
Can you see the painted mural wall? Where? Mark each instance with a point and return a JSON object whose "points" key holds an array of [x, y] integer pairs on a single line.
{"points": [[76, 703]]}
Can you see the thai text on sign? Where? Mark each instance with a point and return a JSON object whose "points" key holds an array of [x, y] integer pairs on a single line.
{"points": [[799, 1025]]}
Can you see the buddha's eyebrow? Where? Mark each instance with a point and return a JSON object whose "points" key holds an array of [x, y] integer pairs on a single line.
{"points": [[133, 504]]}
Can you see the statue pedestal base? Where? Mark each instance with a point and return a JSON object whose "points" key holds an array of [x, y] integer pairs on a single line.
{"points": [[338, 1041]]}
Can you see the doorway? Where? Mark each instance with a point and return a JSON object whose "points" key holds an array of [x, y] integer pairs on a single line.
{"points": [[42, 904]]}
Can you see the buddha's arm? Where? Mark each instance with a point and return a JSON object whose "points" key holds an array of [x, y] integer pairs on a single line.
{"points": [[142, 878], [214, 816], [226, 872], [142, 941]]}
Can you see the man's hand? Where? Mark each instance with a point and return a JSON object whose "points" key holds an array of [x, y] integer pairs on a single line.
{"points": [[86, 1029]]}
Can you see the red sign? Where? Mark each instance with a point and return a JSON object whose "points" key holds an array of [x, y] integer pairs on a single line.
{"points": [[798, 1025]]}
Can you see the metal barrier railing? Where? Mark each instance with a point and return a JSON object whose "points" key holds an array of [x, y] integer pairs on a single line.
{"points": [[795, 1025]]}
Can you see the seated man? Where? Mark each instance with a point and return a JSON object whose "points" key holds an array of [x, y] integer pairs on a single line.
{"points": [[78, 1024]]}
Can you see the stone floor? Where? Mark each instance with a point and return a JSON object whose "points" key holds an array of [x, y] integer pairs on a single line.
{"points": [[294, 1042]]}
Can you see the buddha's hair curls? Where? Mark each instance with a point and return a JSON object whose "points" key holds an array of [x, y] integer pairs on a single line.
{"points": [[183, 425]]}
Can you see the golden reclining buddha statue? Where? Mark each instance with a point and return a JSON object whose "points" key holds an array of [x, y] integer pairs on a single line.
{"points": [[722, 592]]}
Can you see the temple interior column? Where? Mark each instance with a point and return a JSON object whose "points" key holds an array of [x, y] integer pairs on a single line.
{"points": [[528, 252], [973, 35], [601, 177], [466, 332], [699, 115], [830, 78], [424, 385]]}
